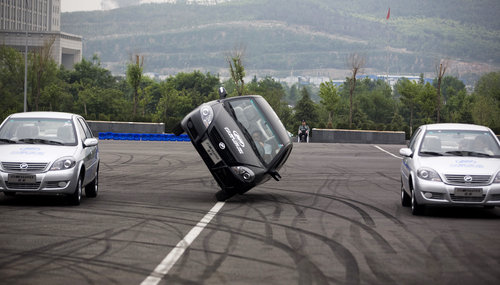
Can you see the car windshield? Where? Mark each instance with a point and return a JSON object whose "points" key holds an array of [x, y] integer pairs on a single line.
{"points": [[459, 143], [260, 131], [38, 131]]}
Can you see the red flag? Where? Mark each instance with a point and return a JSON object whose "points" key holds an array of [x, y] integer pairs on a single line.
{"points": [[388, 14]]}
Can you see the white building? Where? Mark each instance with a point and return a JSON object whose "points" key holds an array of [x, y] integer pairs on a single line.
{"points": [[41, 19]]}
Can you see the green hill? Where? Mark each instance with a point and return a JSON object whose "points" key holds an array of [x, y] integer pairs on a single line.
{"points": [[304, 37]]}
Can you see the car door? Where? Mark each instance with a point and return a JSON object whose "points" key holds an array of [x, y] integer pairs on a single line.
{"points": [[408, 164], [91, 154]]}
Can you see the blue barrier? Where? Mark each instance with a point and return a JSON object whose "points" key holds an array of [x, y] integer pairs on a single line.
{"points": [[143, 137]]}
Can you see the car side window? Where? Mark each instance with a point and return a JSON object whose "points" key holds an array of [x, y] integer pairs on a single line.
{"points": [[413, 139], [86, 129]]}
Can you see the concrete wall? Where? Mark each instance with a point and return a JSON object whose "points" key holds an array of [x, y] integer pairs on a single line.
{"points": [[356, 136], [126, 127]]}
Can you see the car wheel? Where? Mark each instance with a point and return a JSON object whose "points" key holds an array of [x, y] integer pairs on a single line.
{"points": [[416, 209], [223, 195], [92, 188], [405, 198], [76, 197]]}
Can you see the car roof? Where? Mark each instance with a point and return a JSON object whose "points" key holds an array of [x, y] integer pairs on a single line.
{"points": [[53, 115], [452, 126]]}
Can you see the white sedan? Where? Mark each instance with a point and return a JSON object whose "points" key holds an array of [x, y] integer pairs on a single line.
{"points": [[48, 153], [450, 165]]}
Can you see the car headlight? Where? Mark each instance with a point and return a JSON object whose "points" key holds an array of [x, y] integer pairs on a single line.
{"points": [[244, 172], [207, 115], [497, 178], [428, 174], [63, 163]]}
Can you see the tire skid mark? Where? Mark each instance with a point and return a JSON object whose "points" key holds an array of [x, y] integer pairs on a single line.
{"points": [[370, 230]]}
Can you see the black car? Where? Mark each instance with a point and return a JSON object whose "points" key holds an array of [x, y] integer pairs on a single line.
{"points": [[241, 140]]}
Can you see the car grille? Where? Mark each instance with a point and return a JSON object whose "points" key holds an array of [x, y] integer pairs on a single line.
{"points": [[226, 155], [20, 186], [460, 179], [466, 199], [31, 166]]}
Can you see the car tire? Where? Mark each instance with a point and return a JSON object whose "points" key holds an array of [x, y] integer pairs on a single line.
{"points": [[76, 197], [416, 209], [9, 194], [405, 198], [93, 187], [222, 195], [488, 207]]}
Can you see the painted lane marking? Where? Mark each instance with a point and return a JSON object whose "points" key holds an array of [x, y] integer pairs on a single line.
{"points": [[175, 254], [387, 152]]}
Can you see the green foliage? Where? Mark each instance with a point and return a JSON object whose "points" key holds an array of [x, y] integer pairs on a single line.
{"points": [[92, 91]]}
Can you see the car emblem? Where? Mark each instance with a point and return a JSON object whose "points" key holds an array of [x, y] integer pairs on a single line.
{"points": [[468, 178], [222, 145], [23, 166]]}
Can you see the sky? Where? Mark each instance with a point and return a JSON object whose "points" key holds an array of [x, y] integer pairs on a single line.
{"points": [[79, 5], [91, 5]]}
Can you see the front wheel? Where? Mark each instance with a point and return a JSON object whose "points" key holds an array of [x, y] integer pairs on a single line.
{"points": [[416, 208], [222, 195], [405, 198], [76, 197], [92, 188]]}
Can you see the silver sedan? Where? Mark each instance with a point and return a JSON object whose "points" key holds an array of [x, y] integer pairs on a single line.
{"points": [[450, 165], [48, 153]]}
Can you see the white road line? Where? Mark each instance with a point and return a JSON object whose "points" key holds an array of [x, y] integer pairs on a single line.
{"points": [[387, 152], [168, 262]]}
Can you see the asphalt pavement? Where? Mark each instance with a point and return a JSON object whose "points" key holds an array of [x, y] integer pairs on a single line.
{"points": [[334, 218]]}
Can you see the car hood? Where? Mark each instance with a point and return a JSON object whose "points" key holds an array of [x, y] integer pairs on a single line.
{"points": [[34, 153], [462, 165]]}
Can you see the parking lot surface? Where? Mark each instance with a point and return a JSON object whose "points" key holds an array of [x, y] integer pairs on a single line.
{"points": [[335, 218]]}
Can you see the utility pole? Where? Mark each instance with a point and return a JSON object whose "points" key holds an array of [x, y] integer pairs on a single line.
{"points": [[26, 58]]}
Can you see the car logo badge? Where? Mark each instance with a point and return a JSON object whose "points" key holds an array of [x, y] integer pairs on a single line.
{"points": [[23, 166], [222, 145], [468, 178]]}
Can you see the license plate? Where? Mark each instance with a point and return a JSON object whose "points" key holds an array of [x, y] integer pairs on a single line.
{"points": [[22, 178], [209, 148], [469, 192]]}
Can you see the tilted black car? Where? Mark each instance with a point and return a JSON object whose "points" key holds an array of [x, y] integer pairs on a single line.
{"points": [[241, 140]]}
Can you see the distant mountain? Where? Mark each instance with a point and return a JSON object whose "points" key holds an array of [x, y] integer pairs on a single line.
{"points": [[283, 37]]}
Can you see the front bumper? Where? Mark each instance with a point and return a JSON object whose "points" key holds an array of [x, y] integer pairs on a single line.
{"points": [[50, 182], [439, 193]]}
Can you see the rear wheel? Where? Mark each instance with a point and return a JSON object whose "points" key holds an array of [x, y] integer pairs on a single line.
{"points": [[405, 198], [92, 188], [76, 197], [223, 195], [416, 208]]}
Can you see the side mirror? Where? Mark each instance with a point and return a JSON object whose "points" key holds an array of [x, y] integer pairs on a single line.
{"points": [[90, 142], [222, 92], [275, 175], [406, 152]]}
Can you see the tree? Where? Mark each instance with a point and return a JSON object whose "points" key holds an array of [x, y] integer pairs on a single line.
{"points": [[43, 70], [134, 77], [329, 99], [440, 71], [237, 70], [409, 92], [486, 108], [11, 81], [306, 109], [355, 62]]}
